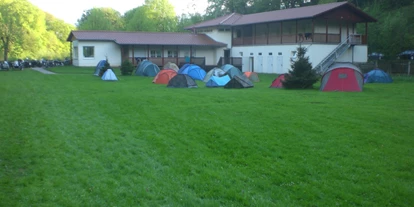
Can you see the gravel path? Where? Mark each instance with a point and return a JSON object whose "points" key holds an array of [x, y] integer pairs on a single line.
{"points": [[43, 71]]}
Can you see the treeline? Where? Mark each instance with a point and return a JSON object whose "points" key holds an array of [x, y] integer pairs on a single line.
{"points": [[26, 31]]}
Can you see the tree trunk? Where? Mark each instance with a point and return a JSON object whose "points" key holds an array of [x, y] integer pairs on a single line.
{"points": [[5, 42]]}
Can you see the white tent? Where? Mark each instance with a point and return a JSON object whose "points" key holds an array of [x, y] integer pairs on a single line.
{"points": [[109, 75]]}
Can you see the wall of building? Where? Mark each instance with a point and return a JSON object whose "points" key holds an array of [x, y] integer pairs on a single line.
{"points": [[277, 58], [102, 50], [223, 36]]}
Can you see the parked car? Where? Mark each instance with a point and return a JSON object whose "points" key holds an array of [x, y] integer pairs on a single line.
{"points": [[408, 54], [4, 65], [375, 56]]}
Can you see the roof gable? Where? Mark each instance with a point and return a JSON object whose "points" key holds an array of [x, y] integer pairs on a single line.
{"points": [[145, 38]]}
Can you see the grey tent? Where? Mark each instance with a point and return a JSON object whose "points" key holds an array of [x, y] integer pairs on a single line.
{"points": [[239, 81], [214, 72], [182, 81], [171, 65]]}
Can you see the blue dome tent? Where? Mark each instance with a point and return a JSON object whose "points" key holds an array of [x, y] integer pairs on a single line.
{"points": [[377, 76], [194, 71], [100, 65], [216, 81], [147, 68]]}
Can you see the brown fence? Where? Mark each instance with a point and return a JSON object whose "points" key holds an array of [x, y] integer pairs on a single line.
{"points": [[401, 67]]}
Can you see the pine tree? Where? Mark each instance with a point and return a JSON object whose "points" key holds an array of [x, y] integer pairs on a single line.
{"points": [[301, 76]]}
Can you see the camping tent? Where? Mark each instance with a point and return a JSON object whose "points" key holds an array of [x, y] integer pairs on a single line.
{"points": [[147, 68], [164, 76], [213, 72], [171, 65], [216, 81], [252, 76], [100, 65], [194, 71], [182, 81], [109, 75], [239, 81], [231, 70], [277, 83], [342, 77], [377, 76]]}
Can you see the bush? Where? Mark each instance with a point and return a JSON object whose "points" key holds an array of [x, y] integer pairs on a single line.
{"points": [[127, 67], [301, 76]]}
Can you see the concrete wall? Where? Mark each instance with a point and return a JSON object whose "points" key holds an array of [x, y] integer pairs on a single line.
{"points": [[101, 51]]}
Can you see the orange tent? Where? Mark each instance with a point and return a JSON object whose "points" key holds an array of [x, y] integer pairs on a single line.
{"points": [[252, 76], [164, 76]]}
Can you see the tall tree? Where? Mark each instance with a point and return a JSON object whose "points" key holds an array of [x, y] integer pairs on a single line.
{"points": [[219, 8], [20, 21], [153, 16], [100, 19]]}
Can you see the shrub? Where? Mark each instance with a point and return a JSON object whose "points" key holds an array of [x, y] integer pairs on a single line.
{"points": [[301, 76], [127, 67]]}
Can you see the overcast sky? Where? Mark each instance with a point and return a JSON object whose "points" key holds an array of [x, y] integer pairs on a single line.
{"points": [[71, 11]]}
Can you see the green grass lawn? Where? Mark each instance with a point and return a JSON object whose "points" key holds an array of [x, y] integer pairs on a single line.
{"points": [[71, 139]]}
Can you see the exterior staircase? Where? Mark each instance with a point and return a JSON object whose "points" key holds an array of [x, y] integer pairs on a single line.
{"points": [[334, 55]]}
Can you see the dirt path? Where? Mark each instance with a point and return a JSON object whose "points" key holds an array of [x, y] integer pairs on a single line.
{"points": [[43, 71]]}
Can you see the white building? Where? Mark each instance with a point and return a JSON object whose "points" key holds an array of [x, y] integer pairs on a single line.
{"points": [[262, 42]]}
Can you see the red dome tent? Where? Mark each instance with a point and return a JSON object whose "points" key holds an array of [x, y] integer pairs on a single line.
{"points": [[277, 83], [342, 77]]}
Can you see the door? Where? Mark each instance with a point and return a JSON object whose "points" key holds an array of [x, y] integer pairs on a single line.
{"points": [[226, 56], [251, 64], [259, 68], [270, 64], [279, 64], [245, 64]]}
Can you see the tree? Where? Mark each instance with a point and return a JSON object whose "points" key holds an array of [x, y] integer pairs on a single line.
{"points": [[302, 76], [101, 19], [219, 8], [186, 20], [153, 16]]}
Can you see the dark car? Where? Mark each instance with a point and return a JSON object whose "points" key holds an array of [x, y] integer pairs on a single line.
{"points": [[375, 56], [408, 54]]}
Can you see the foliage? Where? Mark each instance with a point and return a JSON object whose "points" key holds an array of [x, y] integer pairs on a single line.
{"points": [[101, 19], [153, 16], [127, 67], [301, 76], [85, 142], [26, 31]]}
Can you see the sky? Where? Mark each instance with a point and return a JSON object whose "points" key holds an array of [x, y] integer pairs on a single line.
{"points": [[71, 11]]}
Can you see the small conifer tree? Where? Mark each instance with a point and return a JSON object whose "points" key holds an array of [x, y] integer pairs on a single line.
{"points": [[127, 68], [301, 76]]}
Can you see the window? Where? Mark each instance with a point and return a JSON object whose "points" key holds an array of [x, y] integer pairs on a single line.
{"points": [[270, 53], [88, 51], [172, 53], [75, 52], [155, 53]]}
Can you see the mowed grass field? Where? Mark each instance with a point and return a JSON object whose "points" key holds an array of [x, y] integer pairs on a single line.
{"points": [[71, 139]]}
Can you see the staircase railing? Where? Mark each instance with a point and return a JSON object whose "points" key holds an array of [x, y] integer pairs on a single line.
{"points": [[332, 56]]}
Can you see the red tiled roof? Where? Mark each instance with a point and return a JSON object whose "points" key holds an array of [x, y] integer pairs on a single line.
{"points": [[281, 15], [145, 38]]}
